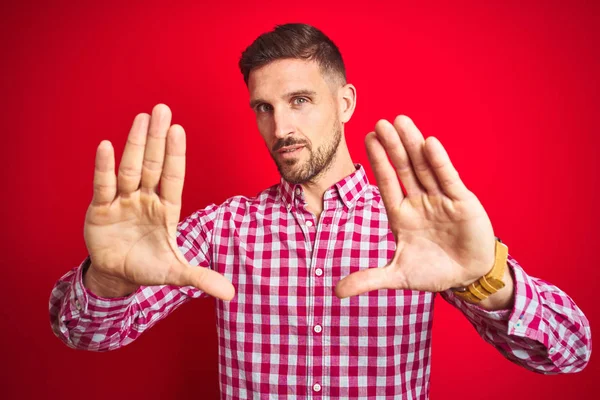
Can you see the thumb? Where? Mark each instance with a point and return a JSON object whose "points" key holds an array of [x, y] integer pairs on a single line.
{"points": [[205, 279], [363, 281]]}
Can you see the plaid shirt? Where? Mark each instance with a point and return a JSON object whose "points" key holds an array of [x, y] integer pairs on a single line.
{"points": [[286, 335]]}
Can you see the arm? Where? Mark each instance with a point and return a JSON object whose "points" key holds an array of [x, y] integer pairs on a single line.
{"points": [[84, 320], [543, 330], [137, 247], [444, 239]]}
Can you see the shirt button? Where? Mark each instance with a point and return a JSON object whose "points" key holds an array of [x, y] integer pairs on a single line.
{"points": [[309, 223], [77, 305], [552, 351], [317, 387], [297, 191], [319, 272], [318, 328], [289, 207]]}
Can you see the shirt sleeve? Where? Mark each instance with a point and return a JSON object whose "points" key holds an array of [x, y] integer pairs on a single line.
{"points": [[83, 320], [544, 332]]}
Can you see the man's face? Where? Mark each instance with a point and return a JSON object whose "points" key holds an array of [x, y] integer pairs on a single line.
{"points": [[296, 114]]}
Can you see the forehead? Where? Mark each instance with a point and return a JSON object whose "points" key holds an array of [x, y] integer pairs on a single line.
{"points": [[285, 76]]}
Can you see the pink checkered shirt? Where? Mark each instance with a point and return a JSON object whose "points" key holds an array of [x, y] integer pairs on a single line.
{"points": [[286, 335]]}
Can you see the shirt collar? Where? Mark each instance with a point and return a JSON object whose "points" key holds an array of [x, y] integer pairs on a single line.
{"points": [[348, 190]]}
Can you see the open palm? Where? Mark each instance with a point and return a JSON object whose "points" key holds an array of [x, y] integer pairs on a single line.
{"points": [[131, 225], [444, 237]]}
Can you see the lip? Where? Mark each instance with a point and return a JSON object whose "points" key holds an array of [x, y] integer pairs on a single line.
{"points": [[284, 154], [284, 150]]}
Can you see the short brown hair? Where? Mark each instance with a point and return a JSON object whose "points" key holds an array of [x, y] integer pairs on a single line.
{"points": [[300, 41]]}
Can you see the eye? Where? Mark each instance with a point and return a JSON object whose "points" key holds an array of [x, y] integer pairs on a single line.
{"points": [[299, 100], [263, 107]]}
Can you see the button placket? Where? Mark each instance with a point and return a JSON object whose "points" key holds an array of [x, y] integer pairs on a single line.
{"points": [[320, 233]]}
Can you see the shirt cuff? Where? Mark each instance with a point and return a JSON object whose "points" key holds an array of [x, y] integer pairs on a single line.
{"points": [[528, 319], [525, 319], [476, 311], [93, 306]]}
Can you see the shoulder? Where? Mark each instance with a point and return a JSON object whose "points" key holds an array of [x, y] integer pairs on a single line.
{"points": [[268, 197], [238, 206]]}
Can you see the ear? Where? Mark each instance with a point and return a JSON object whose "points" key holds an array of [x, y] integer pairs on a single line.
{"points": [[346, 102]]}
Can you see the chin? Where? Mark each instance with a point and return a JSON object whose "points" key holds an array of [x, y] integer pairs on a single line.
{"points": [[293, 173]]}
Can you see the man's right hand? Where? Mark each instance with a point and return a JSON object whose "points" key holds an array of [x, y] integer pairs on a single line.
{"points": [[131, 225]]}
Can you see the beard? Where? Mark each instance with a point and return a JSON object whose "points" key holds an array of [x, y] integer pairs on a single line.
{"points": [[319, 160]]}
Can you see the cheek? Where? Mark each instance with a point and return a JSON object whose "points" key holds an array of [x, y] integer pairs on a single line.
{"points": [[264, 127], [317, 123]]}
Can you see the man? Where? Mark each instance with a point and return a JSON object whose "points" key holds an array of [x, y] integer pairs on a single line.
{"points": [[288, 324]]}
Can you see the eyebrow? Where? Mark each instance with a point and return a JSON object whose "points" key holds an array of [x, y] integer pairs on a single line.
{"points": [[295, 93]]}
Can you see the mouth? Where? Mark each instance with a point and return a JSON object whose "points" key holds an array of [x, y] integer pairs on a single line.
{"points": [[290, 151]]}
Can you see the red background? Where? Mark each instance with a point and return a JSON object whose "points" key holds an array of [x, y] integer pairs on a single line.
{"points": [[511, 89]]}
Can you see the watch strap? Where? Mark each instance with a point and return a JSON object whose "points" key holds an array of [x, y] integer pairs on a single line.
{"points": [[491, 282]]}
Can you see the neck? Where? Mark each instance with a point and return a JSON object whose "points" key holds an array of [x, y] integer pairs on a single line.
{"points": [[341, 167]]}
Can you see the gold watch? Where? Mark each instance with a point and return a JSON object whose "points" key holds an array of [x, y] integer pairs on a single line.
{"points": [[488, 284]]}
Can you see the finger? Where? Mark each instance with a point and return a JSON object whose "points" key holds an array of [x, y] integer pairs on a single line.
{"points": [[363, 281], [386, 177], [413, 142], [154, 154], [389, 138], [173, 174], [205, 279], [105, 181], [130, 168], [446, 174]]}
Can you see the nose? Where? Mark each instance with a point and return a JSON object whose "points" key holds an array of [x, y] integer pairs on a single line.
{"points": [[283, 122]]}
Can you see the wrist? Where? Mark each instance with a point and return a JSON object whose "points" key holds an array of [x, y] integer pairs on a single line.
{"points": [[504, 298], [491, 283], [106, 286]]}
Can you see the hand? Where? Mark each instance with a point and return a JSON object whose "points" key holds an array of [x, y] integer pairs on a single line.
{"points": [[444, 237], [130, 226]]}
